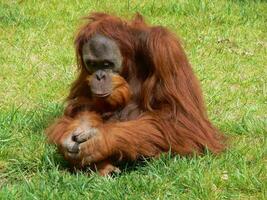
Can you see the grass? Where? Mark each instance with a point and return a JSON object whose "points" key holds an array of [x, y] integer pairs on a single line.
{"points": [[226, 42]]}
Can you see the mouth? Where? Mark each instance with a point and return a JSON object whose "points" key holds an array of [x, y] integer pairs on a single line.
{"points": [[101, 95]]}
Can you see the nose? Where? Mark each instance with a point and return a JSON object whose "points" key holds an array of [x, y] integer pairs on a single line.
{"points": [[100, 75]]}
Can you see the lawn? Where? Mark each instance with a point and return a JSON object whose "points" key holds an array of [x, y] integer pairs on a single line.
{"points": [[226, 42]]}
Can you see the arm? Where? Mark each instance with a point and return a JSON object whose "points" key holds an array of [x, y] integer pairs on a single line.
{"points": [[65, 129], [122, 140], [62, 132], [77, 105]]}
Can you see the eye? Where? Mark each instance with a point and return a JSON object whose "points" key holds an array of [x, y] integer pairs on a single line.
{"points": [[90, 64], [108, 64]]}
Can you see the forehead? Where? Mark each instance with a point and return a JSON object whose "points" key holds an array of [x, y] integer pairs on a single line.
{"points": [[100, 46]]}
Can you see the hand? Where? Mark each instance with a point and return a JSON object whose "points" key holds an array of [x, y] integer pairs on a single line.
{"points": [[84, 145]]}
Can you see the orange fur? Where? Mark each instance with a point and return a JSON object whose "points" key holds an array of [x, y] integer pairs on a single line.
{"points": [[160, 85]]}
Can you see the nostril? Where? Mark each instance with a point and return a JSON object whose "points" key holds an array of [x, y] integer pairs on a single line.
{"points": [[100, 75], [103, 76]]}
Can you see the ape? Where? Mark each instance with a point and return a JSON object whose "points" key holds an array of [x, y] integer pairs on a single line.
{"points": [[136, 96]]}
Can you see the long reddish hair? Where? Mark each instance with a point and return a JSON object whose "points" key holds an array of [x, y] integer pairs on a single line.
{"points": [[161, 77]]}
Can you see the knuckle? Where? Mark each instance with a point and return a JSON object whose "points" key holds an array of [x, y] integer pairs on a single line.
{"points": [[86, 135], [77, 132]]}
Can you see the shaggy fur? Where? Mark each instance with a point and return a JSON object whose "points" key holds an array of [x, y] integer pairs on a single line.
{"points": [[161, 108]]}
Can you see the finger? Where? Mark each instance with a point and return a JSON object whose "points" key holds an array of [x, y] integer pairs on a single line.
{"points": [[77, 132], [86, 135], [109, 171], [70, 145], [74, 148], [117, 170], [73, 156]]}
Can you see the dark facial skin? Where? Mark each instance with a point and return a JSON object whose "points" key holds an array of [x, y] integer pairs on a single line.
{"points": [[102, 58]]}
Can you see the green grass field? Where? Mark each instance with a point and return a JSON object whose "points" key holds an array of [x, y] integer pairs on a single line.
{"points": [[226, 42]]}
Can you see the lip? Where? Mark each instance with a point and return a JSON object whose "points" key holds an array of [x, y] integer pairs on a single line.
{"points": [[101, 95]]}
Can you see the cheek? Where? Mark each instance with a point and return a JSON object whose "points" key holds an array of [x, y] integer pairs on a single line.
{"points": [[118, 81], [121, 93]]}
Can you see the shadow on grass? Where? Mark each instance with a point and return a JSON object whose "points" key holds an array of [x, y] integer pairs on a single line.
{"points": [[125, 167], [38, 120]]}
